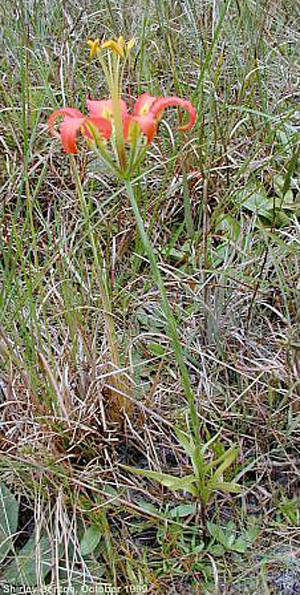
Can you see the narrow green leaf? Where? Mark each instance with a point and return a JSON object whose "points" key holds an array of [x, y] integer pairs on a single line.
{"points": [[198, 461], [227, 459], [182, 510], [210, 442], [186, 442], [148, 507], [292, 169], [225, 486], [156, 348], [169, 481], [187, 205]]}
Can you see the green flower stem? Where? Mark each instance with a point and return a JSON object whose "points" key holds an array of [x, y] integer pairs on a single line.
{"points": [[173, 333], [118, 122], [116, 380]]}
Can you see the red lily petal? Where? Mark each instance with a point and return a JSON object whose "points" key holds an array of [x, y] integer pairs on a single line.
{"points": [[146, 123], [143, 104], [68, 130], [102, 125], [65, 111], [104, 108], [96, 108], [161, 103]]}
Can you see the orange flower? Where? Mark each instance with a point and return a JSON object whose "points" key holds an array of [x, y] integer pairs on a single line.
{"points": [[104, 108], [149, 109], [134, 125], [145, 117], [146, 114], [74, 122]]}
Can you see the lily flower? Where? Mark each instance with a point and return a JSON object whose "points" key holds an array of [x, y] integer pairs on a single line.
{"points": [[73, 122], [147, 112], [145, 117], [105, 109], [110, 119], [149, 109]]}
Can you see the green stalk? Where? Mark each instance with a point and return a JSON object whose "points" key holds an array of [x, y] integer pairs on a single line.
{"points": [[120, 144], [118, 383], [173, 333]]}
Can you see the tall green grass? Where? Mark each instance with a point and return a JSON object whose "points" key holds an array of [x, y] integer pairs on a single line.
{"points": [[221, 206]]}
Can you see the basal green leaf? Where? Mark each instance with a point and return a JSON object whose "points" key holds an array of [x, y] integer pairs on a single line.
{"points": [[217, 550], [182, 510], [156, 348], [240, 545], [257, 202], [9, 511], [90, 540], [34, 559], [148, 507], [217, 533]]}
